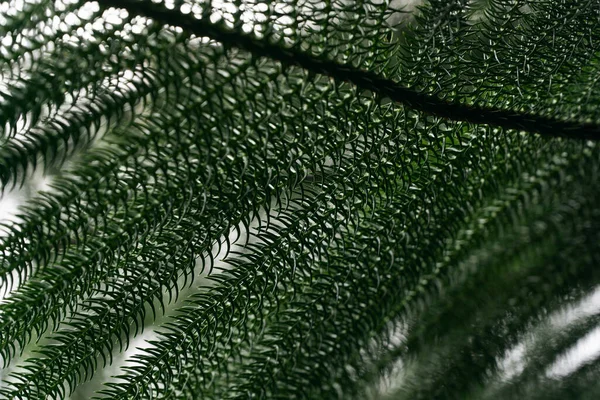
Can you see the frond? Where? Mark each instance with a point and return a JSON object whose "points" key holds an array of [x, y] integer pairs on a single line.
{"points": [[322, 199]]}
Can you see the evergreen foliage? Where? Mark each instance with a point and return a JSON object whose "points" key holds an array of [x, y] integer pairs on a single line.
{"points": [[300, 199]]}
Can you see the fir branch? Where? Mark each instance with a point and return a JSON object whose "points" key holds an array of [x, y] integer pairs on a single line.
{"points": [[204, 219], [365, 80], [45, 229], [294, 236], [466, 260], [380, 163], [37, 308]]}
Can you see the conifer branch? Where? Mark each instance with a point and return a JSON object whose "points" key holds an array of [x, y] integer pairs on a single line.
{"points": [[366, 80]]}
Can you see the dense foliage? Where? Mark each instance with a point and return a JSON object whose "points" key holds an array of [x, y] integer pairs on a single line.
{"points": [[300, 199]]}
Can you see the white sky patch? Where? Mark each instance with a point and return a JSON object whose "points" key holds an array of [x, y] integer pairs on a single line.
{"points": [[513, 362], [570, 314], [587, 349], [515, 359], [9, 207], [405, 11], [253, 14], [394, 378]]}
